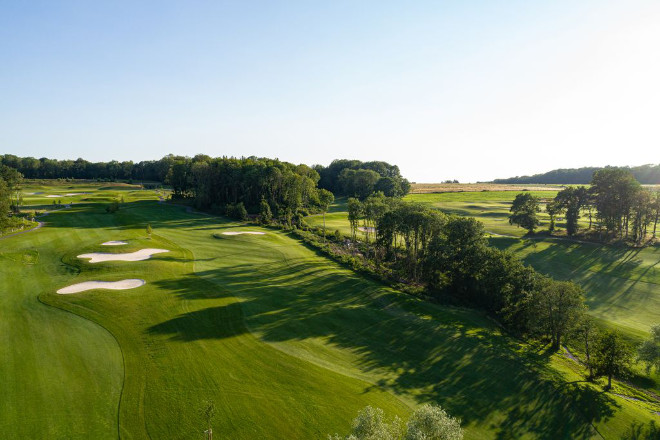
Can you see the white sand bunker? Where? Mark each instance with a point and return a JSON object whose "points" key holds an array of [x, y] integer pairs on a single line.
{"points": [[111, 285], [367, 229], [114, 243], [52, 196], [243, 232], [142, 254]]}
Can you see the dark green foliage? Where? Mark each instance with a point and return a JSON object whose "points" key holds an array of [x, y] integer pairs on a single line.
{"points": [[265, 213], [552, 208], [236, 211], [612, 356], [112, 207], [571, 201], [614, 190], [524, 209], [354, 178], [556, 308], [5, 202], [649, 350]]}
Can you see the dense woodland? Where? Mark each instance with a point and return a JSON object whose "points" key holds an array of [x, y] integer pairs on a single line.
{"points": [[645, 174]]}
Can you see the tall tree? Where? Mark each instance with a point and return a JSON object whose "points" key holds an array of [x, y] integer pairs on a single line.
{"points": [[586, 333], [552, 208], [325, 198], [649, 350], [557, 308], [524, 209], [571, 201], [612, 356]]}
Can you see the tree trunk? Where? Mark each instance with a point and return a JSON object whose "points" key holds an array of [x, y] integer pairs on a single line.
{"points": [[324, 239], [609, 382]]}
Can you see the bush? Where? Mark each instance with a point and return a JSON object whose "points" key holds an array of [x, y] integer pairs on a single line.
{"points": [[236, 211], [430, 422], [112, 207]]}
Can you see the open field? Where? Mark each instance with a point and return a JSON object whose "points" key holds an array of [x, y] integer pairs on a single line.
{"points": [[286, 343], [426, 188]]}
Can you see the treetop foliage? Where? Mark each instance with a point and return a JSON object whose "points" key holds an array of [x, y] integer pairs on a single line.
{"points": [[360, 179]]}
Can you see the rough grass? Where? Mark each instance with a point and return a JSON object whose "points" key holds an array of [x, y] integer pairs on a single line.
{"points": [[287, 343]]}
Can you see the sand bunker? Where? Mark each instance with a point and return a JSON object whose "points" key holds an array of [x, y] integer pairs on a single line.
{"points": [[111, 285], [113, 243], [367, 229], [52, 196], [242, 232], [142, 254]]}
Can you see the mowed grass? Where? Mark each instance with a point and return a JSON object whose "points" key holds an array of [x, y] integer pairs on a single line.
{"points": [[622, 284], [286, 343]]}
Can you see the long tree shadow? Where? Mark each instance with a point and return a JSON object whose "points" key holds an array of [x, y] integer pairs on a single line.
{"points": [[447, 355]]}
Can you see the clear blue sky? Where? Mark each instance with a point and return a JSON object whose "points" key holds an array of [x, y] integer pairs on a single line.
{"points": [[468, 89]]}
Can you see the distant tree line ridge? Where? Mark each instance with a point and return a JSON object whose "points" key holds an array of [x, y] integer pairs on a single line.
{"points": [[237, 187], [342, 176], [645, 174]]}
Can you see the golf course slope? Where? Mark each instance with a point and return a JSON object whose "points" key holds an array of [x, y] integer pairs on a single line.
{"points": [[285, 342]]}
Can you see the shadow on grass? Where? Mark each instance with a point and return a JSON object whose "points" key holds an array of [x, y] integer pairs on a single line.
{"points": [[450, 356]]}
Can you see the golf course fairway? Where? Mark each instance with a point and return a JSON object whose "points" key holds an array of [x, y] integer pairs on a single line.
{"points": [[285, 342]]}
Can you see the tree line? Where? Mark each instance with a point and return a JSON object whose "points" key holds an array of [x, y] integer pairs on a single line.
{"points": [[342, 176], [615, 202], [44, 168], [645, 174]]}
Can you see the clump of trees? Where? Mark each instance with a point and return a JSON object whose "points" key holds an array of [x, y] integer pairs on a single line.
{"points": [[354, 178], [238, 187], [450, 254], [621, 206], [429, 422]]}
